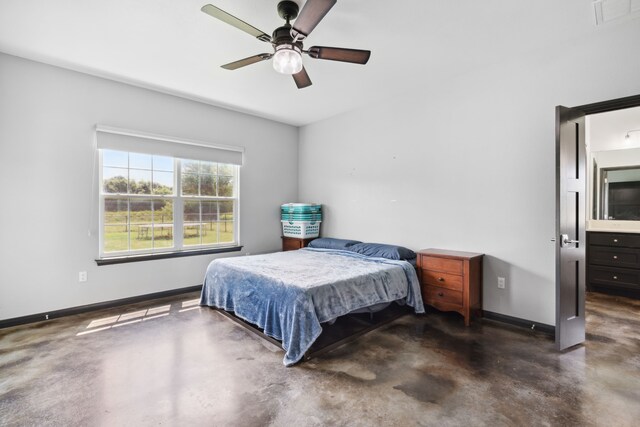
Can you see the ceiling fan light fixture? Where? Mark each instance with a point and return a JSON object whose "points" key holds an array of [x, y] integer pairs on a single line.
{"points": [[287, 59], [627, 137]]}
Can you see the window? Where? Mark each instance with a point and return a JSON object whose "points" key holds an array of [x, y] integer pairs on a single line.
{"points": [[207, 190], [157, 203], [164, 196]]}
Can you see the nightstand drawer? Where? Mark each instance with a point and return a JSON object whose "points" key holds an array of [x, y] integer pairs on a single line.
{"points": [[443, 280], [293, 243], [438, 294], [445, 265]]}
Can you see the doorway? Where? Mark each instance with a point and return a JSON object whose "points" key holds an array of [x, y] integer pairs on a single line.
{"points": [[584, 203]]}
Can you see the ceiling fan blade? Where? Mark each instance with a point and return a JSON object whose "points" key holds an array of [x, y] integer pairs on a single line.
{"points": [[311, 14], [355, 56], [302, 79], [210, 9], [247, 61]]}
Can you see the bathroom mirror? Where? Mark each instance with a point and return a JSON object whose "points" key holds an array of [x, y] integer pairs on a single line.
{"points": [[620, 194], [616, 185]]}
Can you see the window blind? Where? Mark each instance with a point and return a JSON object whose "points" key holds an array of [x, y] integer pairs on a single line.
{"points": [[138, 142]]}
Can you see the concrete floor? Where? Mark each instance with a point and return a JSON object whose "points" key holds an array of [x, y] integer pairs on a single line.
{"points": [[169, 362]]}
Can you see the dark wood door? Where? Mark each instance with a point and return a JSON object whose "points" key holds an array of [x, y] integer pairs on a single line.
{"points": [[570, 227]]}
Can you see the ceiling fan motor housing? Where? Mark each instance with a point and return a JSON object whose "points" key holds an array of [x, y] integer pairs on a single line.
{"points": [[282, 36]]}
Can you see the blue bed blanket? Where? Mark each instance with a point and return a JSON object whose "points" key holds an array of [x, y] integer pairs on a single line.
{"points": [[289, 294]]}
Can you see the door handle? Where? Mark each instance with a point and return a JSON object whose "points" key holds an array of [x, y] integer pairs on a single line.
{"points": [[566, 241]]}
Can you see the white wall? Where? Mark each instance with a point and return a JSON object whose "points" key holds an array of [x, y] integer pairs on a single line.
{"points": [[47, 120], [468, 164]]}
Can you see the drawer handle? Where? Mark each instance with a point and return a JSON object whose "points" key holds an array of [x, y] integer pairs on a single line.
{"points": [[440, 294], [615, 240], [615, 277], [440, 279], [615, 257]]}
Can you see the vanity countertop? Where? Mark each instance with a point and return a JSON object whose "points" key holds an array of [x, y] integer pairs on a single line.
{"points": [[610, 226]]}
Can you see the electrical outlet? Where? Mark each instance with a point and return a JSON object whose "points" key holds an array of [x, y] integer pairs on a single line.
{"points": [[82, 276], [501, 282]]}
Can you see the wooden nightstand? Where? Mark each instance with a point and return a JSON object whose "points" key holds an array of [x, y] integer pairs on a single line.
{"points": [[293, 243], [451, 280]]}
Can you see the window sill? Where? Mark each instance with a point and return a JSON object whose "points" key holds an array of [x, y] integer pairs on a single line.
{"points": [[150, 257]]}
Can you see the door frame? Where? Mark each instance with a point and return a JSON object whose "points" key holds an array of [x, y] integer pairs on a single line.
{"points": [[588, 109]]}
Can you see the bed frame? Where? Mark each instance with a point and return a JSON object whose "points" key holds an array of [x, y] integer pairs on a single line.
{"points": [[346, 328]]}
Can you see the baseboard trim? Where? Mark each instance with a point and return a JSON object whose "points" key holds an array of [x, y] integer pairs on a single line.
{"points": [[50, 315], [522, 323], [619, 292]]}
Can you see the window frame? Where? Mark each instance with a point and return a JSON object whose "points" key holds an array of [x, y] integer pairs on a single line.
{"points": [[177, 198]]}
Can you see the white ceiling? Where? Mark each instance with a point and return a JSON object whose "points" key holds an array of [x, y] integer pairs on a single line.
{"points": [[607, 131], [172, 46]]}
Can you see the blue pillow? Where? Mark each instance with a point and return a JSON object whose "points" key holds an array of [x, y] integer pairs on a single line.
{"points": [[381, 250], [331, 243]]}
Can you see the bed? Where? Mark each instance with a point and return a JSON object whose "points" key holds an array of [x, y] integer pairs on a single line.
{"points": [[289, 295]]}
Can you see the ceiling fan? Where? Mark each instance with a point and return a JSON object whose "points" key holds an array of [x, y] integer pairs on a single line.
{"points": [[287, 39]]}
